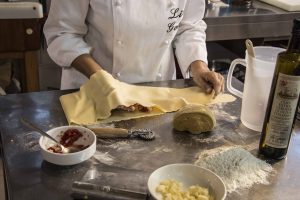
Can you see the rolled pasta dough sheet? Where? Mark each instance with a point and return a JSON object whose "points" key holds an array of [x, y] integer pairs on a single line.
{"points": [[94, 102]]}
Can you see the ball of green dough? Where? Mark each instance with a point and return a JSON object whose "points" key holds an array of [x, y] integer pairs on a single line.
{"points": [[194, 119]]}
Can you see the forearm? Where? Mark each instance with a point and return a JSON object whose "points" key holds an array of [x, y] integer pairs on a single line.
{"points": [[86, 64], [198, 66]]}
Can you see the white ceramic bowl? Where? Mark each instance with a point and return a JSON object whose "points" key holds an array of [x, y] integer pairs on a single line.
{"points": [[188, 175], [88, 138]]}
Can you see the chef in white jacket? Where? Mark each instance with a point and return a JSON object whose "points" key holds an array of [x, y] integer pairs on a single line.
{"points": [[131, 39]]}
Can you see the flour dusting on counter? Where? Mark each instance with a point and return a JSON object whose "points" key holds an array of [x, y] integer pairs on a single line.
{"points": [[214, 138], [161, 149], [104, 158], [28, 141], [236, 166], [220, 113], [120, 145]]}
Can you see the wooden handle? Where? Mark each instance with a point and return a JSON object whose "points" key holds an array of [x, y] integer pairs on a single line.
{"points": [[110, 132]]}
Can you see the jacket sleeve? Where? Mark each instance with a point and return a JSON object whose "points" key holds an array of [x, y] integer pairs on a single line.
{"points": [[190, 40], [65, 29]]}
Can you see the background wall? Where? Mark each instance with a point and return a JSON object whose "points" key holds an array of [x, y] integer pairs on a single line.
{"points": [[50, 73]]}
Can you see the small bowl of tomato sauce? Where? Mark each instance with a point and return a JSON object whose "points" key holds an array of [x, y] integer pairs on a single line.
{"points": [[77, 137]]}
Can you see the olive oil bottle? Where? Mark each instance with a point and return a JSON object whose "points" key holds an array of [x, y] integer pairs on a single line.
{"points": [[283, 100]]}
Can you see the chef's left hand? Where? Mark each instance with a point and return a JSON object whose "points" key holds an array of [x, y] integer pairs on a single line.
{"points": [[206, 79]]}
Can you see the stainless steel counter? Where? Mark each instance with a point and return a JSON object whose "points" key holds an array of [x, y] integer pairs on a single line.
{"points": [[2, 187], [260, 21], [30, 178]]}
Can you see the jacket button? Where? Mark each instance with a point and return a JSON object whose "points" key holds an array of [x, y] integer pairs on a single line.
{"points": [[159, 75], [167, 42], [118, 74], [118, 3], [119, 42], [172, 3]]}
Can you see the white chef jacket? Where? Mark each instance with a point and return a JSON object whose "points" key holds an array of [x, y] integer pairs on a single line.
{"points": [[131, 39]]}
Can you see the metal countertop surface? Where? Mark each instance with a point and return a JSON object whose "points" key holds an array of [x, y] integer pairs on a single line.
{"points": [[261, 20], [29, 177]]}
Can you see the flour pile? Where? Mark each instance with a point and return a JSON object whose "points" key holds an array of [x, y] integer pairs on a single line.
{"points": [[236, 166]]}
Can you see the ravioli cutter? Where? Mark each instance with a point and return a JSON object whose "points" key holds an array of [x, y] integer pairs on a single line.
{"points": [[108, 132]]}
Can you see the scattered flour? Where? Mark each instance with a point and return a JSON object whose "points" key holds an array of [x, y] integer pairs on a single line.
{"points": [[104, 158], [161, 149], [214, 138], [120, 145], [28, 141], [220, 112], [236, 166]]}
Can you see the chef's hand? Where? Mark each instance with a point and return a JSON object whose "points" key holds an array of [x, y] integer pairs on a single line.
{"points": [[206, 79]]}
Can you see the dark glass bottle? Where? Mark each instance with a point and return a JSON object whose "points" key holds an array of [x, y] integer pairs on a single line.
{"points": [[283, 100]]}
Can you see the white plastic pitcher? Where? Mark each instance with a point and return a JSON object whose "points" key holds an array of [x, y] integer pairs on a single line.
{"points": [[258, 80]]}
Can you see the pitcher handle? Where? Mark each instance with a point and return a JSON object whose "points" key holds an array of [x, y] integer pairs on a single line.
{"points": [[229, 77]]}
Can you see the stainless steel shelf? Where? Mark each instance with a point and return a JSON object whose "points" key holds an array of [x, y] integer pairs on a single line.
{"points": [[261, 20]]}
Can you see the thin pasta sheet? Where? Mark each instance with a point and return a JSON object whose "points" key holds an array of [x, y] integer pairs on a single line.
{"points": [[98, 97]]}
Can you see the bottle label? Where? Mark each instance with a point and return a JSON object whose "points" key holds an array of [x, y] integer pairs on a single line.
{"points": [[283, 110]]}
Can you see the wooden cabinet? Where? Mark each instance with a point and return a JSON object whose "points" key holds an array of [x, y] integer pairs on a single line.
{"points": [[20, 38], [19, 35]]}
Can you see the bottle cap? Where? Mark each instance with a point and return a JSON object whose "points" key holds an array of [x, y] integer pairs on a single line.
{"points": [[296, 26]]}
